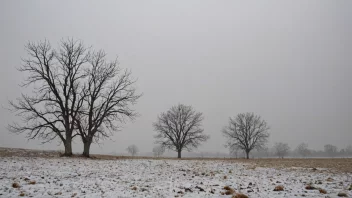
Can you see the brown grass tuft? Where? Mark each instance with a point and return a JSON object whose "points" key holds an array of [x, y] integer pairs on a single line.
{"points": [[32, 182], [322, 191], [279, 188], [240, 195], [22, 194], [15, 185], [229, 190], [342, 194], [330, 179], [310, 187]]}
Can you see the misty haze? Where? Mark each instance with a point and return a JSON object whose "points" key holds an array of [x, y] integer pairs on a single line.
{"points": [[176, 99]]}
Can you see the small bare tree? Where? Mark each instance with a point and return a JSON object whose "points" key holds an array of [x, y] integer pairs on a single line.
{"points": [[158, 151], [132, 149], [108, 94], [330, 150], [349, 150], [302, 149], [281, 149], [49, 112], [234, 151], [247, 132], [180, 128]]}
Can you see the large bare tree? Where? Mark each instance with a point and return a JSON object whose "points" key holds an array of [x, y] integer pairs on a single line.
{"points": [[48, 113], [246, 131], [108, 95], [180, 128]]}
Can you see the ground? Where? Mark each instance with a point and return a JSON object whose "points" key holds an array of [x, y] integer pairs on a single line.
{"points": [[48, 176]]}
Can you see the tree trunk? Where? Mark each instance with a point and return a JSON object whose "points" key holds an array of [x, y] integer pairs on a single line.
{"points": [[247, 154], [179, 154], [68, 147], [86, 148]]}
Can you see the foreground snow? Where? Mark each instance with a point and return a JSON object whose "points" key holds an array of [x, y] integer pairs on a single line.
{"points": [[66, 177]]}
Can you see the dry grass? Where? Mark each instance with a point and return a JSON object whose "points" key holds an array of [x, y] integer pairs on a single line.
{"points": [[329, 179], [310, 187], [337, 164], [239, 195], [279, 188], [32, 182], [322, 191], [229, 190], [342, 194], [15, 185]]}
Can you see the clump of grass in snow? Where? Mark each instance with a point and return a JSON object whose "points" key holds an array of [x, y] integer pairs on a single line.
{"points": [[329, 179], [279, 188], [310, 187], [229, 191], [342, 194], [32, 182], [239, 195], [15, 185], [322, 191]]}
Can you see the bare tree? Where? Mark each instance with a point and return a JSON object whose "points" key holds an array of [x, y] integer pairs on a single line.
{"points": [[303, 150], [132, 149], [158, 151], [234, 151], [330, 150], [180, 128], [247, 132], [49, 112], [349, 150], [281, 149], [108, 94]]}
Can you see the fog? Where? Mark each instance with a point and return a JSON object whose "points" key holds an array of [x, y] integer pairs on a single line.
{"points": [[289, 62]]}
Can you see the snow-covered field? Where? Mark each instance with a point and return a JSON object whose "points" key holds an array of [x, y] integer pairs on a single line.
{"points": [[78, 177]]}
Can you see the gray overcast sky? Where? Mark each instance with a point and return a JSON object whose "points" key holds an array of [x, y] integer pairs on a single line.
{"points": [[288, 61]]}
